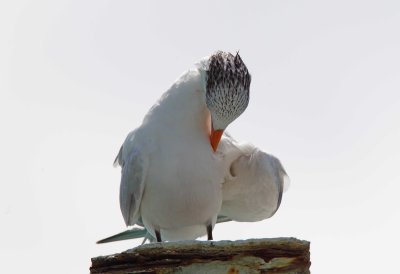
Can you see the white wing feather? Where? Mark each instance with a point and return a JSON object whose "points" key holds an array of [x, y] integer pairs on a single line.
{"points": [[254, 185]]}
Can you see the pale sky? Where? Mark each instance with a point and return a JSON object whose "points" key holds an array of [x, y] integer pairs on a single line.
{"points": [[77, 76]]}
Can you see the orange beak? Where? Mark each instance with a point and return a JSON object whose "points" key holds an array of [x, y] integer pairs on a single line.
{"points": [[215, 138]]}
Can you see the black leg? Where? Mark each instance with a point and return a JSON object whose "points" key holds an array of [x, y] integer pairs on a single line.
{"points": [[209, 232], [158, 236]]}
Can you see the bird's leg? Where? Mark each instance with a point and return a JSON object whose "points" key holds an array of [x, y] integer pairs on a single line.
{"points": [[209, 232], [158, 236]]}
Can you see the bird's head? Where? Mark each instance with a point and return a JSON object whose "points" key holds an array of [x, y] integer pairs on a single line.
{"points": [[227, 83]]}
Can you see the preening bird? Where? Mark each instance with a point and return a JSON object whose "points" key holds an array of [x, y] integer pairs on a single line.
{"points": [[172, 178], [252, 190]]}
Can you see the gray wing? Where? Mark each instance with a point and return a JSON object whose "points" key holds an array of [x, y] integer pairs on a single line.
{"points": [[134, 168]]}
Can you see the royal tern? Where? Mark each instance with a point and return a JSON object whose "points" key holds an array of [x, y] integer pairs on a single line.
{"points": [[171, 178]]}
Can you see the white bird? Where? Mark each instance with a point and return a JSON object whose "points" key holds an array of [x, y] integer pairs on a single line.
{"points": [[171, 176], [252, 188]]}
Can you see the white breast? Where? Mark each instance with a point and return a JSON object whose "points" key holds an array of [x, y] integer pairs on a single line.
{"points": [[183, 187]]}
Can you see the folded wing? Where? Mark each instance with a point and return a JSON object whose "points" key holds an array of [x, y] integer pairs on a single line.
{"points": [[134, 168], [253, 188]]}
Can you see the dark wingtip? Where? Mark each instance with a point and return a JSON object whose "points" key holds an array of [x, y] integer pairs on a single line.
{"points": [[103, 241]]}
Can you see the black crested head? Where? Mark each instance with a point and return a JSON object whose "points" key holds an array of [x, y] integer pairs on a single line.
{"points": [[227, 88], [225, 69]]}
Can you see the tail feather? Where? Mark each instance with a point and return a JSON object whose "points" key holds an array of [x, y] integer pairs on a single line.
{"points": [[132, 233], [136, 233]]}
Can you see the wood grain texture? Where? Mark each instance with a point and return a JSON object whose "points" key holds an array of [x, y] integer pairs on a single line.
{"points": [[278, 255]]}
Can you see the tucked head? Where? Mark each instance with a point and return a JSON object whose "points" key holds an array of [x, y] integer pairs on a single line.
{"points": [[227, 91]]}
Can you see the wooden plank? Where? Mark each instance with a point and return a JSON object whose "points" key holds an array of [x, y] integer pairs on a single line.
{"points": [[278, 255]]}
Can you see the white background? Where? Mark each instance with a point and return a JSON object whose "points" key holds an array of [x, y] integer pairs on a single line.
{"points": [[77, 76]]}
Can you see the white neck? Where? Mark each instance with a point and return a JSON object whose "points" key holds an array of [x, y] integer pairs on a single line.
{"points": [[182, 107]]}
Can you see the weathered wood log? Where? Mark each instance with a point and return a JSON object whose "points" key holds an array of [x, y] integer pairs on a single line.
{"points": [[278, 255]]}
